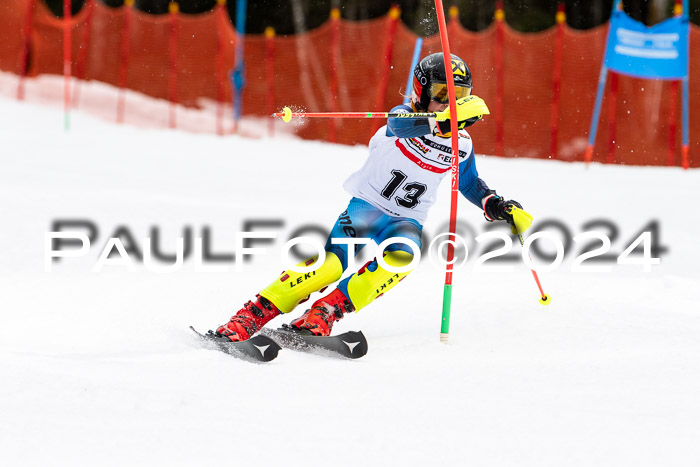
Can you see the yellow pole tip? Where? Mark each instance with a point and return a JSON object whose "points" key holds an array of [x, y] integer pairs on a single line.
{"points": [[221, 2], [546, 299], [395, 12], [173, 7], [269, 32], [453, 12], [500, 15], [129, 3], [335, 13], [287, 115]]}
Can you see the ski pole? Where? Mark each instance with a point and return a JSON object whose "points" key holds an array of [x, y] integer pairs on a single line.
{"points": [[287, 115], [544, 298]]}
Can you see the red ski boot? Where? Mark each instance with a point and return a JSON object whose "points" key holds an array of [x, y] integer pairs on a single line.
{"points": [[249, 319], [323, 313]]}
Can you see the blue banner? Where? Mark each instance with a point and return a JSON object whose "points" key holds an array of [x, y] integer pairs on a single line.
{"points": [[660, 51]]}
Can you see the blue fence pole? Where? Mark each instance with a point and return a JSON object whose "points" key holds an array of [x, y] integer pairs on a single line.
{"points": [[596, 112], [238, 72], [414, 62]]}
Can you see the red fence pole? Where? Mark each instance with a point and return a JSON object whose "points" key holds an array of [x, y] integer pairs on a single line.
{"points": [[66, 60], [453, 13], [24, 53], [612, 114], [671, 159], [333, 72], [556, 81], [82, 52], [394, 15], [270, 76], [124, 59], [174, 9], [500, 16], [221, 18]]}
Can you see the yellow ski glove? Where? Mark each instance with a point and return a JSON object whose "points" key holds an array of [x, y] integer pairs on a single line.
{"points": [[522, 220], [499, 209], [468, 107]]}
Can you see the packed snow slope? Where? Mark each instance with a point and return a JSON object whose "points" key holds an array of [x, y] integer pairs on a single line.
{"points": [[99, 368]]}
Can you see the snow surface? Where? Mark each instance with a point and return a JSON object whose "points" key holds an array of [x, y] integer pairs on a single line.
{"points": [[100, 368]]}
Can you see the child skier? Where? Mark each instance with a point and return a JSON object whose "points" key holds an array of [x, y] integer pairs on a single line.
{"points": [[392, 194]]}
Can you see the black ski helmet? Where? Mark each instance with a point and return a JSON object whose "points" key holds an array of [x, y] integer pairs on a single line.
{"points": [[430, 80]]}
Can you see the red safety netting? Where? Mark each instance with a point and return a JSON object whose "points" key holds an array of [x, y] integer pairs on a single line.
{"points": [[186, 59]]}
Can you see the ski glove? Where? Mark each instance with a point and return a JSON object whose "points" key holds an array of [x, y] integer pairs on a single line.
{"points": [[443, 128], [470, 109], [467, 107], [497, 208]]}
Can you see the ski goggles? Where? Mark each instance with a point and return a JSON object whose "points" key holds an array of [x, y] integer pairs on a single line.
{"points": [[438, 92]]}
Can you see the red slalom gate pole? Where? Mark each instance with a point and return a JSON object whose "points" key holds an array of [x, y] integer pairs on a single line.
{"points": [[66, 61], [447, 290]]}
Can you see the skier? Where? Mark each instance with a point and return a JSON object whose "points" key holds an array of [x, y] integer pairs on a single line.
{"points": [[392, 194]]}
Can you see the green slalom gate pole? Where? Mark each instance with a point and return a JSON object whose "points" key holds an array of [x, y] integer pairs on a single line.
{"points": [[446, 308]]}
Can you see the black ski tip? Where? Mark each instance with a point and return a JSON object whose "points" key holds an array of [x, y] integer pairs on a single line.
{"points": [[267, 347], [256, 349], [350, 345], [356, 343]]}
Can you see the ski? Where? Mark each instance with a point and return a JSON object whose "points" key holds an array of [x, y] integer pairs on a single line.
{"points": [[351, 344], [256, 349]]}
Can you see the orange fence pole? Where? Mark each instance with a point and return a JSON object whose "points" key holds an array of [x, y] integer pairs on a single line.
{"points": [[24, 53], [500, 16], [556, 80], [333, 72], [174, 9], [612, 120], [221, 18], [124, 59], [66, 61], [270, 76], [82, 52], [394, 15]]}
